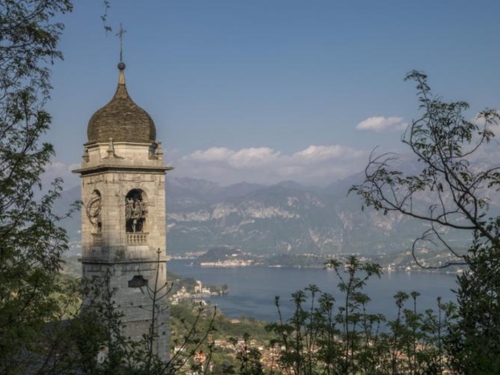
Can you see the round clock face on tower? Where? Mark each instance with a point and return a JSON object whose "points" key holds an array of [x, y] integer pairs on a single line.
{"points": [[93, 209]]}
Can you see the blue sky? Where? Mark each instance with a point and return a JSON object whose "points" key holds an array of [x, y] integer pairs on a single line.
{"points": [[270, 90]]}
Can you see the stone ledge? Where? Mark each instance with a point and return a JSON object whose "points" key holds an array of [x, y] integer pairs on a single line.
{"points": [[125, 261], [126, 168]]}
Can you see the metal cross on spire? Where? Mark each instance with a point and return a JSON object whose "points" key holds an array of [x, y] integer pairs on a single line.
{"points": [[120, 35]]}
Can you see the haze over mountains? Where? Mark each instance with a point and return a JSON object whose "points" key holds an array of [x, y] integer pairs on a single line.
{"points": [[283, 218]]}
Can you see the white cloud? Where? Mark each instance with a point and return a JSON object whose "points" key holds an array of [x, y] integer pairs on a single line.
{"points": [[211, 154], [253, 157], [58, 169], [313, 165], [314, 154], [380, 123]]}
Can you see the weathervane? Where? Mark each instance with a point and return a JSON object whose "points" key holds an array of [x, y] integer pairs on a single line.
{"points": [[120, 35]]}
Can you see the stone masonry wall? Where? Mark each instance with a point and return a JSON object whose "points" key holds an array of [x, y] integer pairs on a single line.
{"points": [[129, 167]]}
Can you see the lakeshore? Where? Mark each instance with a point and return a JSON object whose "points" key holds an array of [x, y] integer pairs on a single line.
{"points": [[252, 289]]}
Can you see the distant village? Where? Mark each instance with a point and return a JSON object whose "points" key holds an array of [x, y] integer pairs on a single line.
{"points": [[199, 292]]}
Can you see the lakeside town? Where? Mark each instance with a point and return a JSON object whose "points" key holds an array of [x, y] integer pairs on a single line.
{"points": [[222, 256]]}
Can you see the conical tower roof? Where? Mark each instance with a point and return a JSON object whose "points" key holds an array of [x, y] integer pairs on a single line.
{"points": [[121, 119]]}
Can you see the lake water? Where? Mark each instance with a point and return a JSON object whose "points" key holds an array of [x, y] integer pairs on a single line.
{"points": [[253, 289]]}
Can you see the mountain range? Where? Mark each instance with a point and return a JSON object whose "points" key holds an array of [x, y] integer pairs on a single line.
{"points": [[282, 218]]}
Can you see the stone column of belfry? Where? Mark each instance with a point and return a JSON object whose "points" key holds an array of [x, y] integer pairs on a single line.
{"points": [[123, 213]]}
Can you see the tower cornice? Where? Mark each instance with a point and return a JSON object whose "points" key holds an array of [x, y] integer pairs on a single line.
{"points": [[122, 168]]}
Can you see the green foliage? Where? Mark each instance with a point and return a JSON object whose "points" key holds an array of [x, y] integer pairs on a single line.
{"points": [[473, 340], [186, 315], [247, 357], [31, 243], [190, 328], [447, 144], [326, 336], [90, 339]]}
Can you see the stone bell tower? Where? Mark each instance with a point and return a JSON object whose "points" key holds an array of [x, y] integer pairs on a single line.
{"points": [[123, 213]]}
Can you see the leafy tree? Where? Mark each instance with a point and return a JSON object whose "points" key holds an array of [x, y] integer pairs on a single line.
{"points": [[249, 358], [448, 146], [31, 243], [329, 336], [473, 340]]}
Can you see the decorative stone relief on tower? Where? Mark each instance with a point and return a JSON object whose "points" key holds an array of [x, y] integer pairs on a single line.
{"points": [[93, 210]]}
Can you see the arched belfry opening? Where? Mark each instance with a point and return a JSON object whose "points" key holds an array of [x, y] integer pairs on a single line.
{"points": [[136, 211]]}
